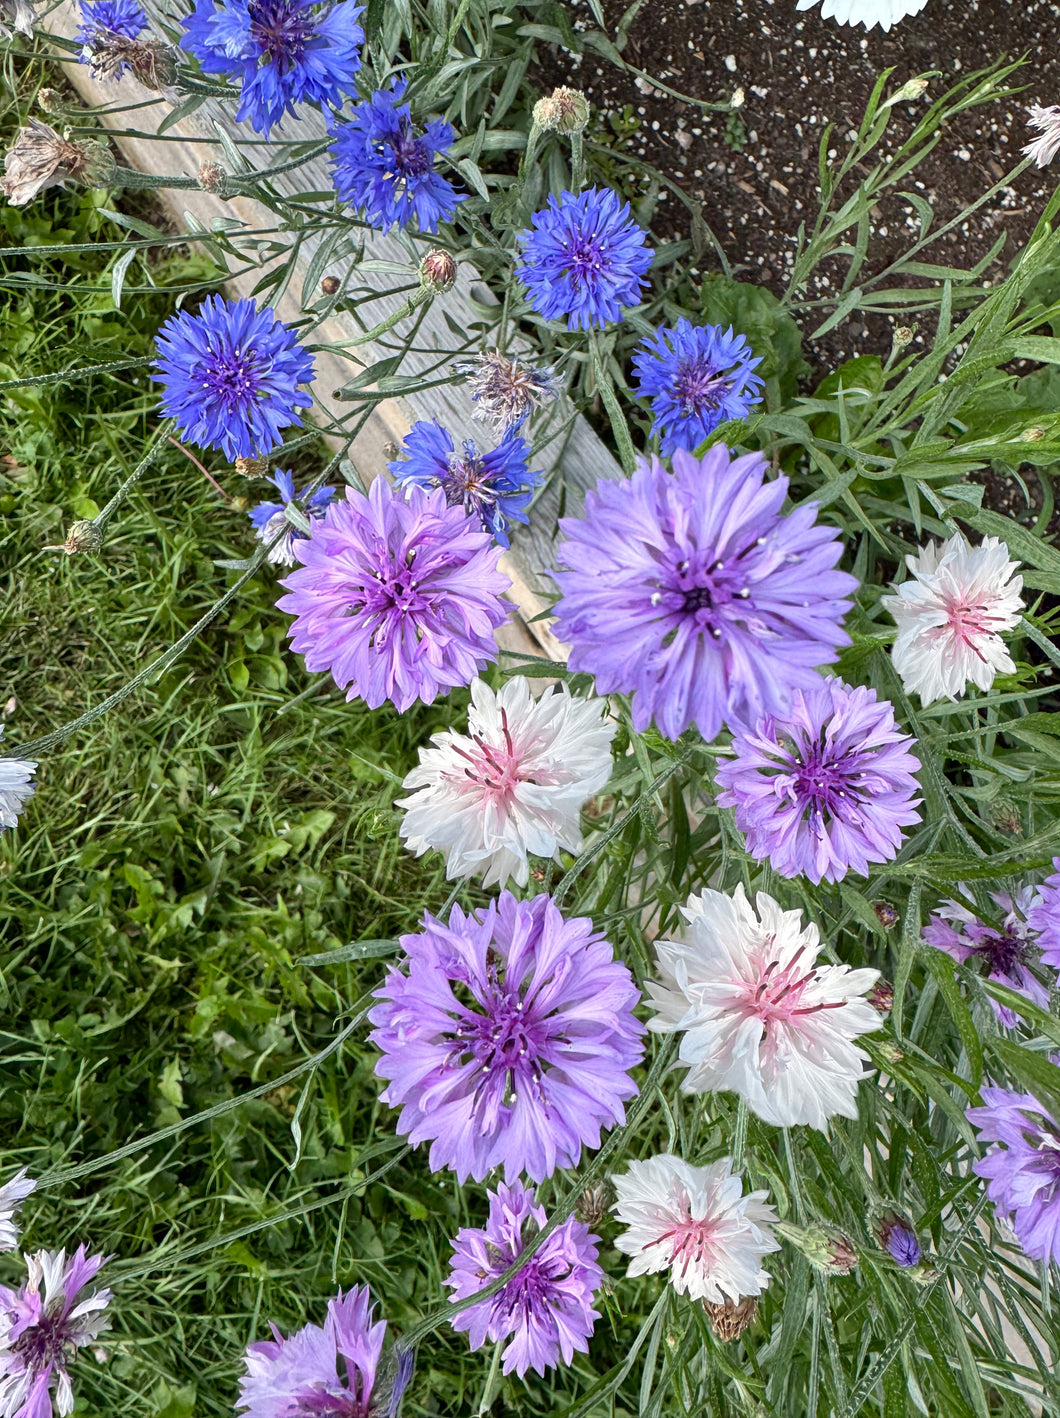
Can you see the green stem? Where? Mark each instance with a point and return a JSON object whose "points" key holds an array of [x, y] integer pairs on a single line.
{"points": [[577, 156], [486, 1401], [67, 376], [101, 519]]}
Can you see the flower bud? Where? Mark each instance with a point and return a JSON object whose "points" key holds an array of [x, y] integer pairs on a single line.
{"points": [[82, 536], [253, 467], [594, 1204], [903, 336], [826, 1248], [330, 285], [881, 997], [563, 111], [908, 92], [1005, 815], [729, 1320], [886, 914], [1033, 435], [437, 271], [213, 178], [898, 1239]]}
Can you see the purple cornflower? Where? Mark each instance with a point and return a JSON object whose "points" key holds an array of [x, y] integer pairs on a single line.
{"points": [[1005, 953], [321, 1371], [121, 17], [1044, 917], [385, 169], [546, 1307], [1023, 1168], [899, 1240], [495, 488], [269, 519], [696, 376], [507, 1039], [693, 591], [42, 1325], [399, 598], [231, 375], [585, 258], [824, 787], [281, 52]]}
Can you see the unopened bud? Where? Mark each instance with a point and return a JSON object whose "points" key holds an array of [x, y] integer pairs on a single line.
{"points": [[213, 178], [908, 92], [881, 997], [886, 914], [1005, 815], [330, 285], [903, 336], [729, 1320], [437, 271], [82, 536], [563, 111], [829, 1250], [594, 1203], [898, 1239], [1033, 435], [253, 467]]}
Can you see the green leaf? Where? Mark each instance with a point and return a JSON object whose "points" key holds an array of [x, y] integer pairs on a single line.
{"points": [[1034, 1072], [771, 332], [941, 967]]}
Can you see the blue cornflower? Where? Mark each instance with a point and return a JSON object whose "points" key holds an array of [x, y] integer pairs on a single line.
{"points": [[124, 17], [282, 52], [696, 377], [493, 487], [586, 258], [385, 170], [231, 375], [268, 517]]}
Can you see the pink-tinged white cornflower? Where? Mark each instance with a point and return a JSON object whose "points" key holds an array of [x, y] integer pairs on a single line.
{"points": [[514, 784], [950, 614], [546, 1308], [321, 1371], [12, 1195], [696, 1223], [1006, 953], [1022, 1168], [42, 1326], [1047, 123], [869, 13], [507, 1038], [1044, 917], [758, 1015], [15, 787]]}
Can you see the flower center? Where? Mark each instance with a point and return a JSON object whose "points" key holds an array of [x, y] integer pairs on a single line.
{"points": [[233, 377], [585, 258], [409, 156], [495, 770], [318, 1403], [390, 601], [44, 1342], [697, 386], [1004, 954], [969, 622], [282, 30], [823, 786], [777, 997], [468, 483], [689, 1242]]}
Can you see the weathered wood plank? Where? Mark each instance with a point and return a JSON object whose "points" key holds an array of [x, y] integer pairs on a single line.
{"points": [[573, 461]]}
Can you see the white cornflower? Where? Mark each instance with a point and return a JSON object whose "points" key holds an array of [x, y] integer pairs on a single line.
{"points": [[513, 785], [949, 615], [696, 1223], [758, 1015], [1047, 122], [12, 1195], [884, 13], [15, 787]]}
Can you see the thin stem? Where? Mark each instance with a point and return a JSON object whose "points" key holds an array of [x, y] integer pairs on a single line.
{"points": [[151, 456], [486, 1401]]}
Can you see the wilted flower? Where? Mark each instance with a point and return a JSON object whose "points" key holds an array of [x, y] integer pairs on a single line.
{"points": [[594, 1203], [546, 1308], [729, 1319], [507, 1038], [949, 614], [399, 597], [696, 1223], [39, 158], [385, 170], [693, 591], [758, 1015], [281, 52], [85, 535], [1023, 1167], [1005, 954], [321, 1371], [514, 784], [42, 1326], [12, 1195], [105, 20], [1047, 122], [1044, 917], [563, 110], [494, 488], [231, 376], [824, 788], [269, 518], [881, 997], [17, 15], [886, 914], [696, 376], [506, 391], [152, 63], [898, 1239], [252, 467], [586, 258], [15, 787], [884, 13]]}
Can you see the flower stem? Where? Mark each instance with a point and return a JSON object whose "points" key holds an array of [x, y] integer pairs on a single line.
{"points": [[486, 1401]]}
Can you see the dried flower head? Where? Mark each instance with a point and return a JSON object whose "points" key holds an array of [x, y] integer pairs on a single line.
{"points": [[506, 391], [83, 536], [594, 1204], [438, 272], [17, 15], [213, 178], [562, 111], [41, 158], [257, 467], [881, 997], [152, 63], [886, 914], [330, 285], [729, 1319], [50, 101]]}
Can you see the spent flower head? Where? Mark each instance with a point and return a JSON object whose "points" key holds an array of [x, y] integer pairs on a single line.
{"points": [[152, 63], [506, 391], [563, 111], [40, 158]]}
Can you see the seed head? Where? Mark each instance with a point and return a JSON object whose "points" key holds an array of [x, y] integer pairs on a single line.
{"points": [[438, 271], [213, 178], [40, 158], [153, 63], [729, 1320], [330, 285], [563, 111]]}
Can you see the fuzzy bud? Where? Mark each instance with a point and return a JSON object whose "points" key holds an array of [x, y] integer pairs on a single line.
{"points": [[1005, 815], [729, 1320], [330, 285], [82, 536], [252, 467], [594, 1204], [39, 158], [1033, 435], [908, 92], [563, 111], [826, 1248], [886, 914], [438, 272], [213, 178], [902, 336]]}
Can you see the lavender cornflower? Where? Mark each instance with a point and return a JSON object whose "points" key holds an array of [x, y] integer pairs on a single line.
{"points": [[12, 1195], [494, 488], [399, 598], [320, 1371], [1005, 953], [546, 1308], [693, 591], [507, 1038], [231, 375], [105, 19], [1023, 1167], [385, 169], [15, 787], [40, 1333], [506, 391], [281, 52], [899, 1240], [1044, 917], [586, 258], [269, 518], [696, 376], [826, 786]]}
